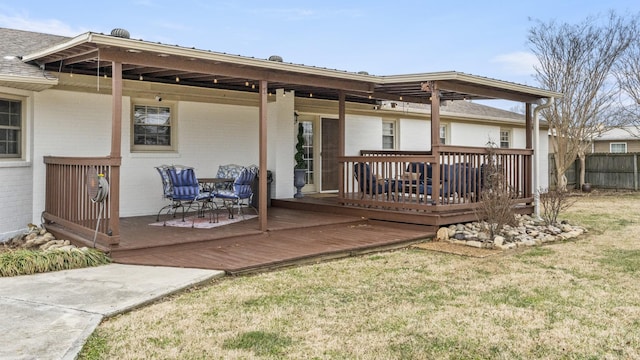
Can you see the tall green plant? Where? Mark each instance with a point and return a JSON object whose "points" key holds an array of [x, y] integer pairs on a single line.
{"points": [[299, 157]]}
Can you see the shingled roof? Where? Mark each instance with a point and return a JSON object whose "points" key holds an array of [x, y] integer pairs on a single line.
{"points": [[17, 43]]}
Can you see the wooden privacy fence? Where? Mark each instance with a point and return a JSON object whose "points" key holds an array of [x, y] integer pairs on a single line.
{"points": [[603, 170], [68, 202]]}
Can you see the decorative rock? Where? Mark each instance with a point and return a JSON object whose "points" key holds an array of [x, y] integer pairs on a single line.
{"points": [[528, 232], [38, 238], [476, 244], [442, 234]]}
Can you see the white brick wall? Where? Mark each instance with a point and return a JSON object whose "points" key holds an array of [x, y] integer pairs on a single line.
{"points": [[15, 199]]}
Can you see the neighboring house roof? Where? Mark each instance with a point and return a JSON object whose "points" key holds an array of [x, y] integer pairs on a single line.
{"points": [[618, 134], [165, 63], [464, 109], [478, 110], [16, 73]]}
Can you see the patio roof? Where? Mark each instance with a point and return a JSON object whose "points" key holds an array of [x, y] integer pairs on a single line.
{"points": [[93, 54]]}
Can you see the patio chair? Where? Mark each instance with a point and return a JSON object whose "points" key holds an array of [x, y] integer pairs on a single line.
{"points": [[185, 190], [241, 193], [368, 183], [167, 191]]}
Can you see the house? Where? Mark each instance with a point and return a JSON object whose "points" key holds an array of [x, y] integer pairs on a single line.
{"points": [[123, 106], [617, 141]]}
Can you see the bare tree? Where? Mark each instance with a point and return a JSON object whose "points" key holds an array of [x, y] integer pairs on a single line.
{"points": [[577, 60], [627, 72]]}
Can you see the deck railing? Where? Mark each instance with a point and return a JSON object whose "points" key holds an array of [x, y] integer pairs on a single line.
{"points": [[68, 202], [459, 170]]}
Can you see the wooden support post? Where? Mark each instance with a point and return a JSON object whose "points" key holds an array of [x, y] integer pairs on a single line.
{"points": [[262, 185], [435, 139], [341, 139], [116, 143], [635, 172], [528, 120]]}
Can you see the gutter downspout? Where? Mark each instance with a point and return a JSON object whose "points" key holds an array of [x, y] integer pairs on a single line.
{"points": [[536, 160]]}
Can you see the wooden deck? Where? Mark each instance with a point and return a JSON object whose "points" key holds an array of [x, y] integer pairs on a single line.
{"points": [[435, 219], [293, 237]]}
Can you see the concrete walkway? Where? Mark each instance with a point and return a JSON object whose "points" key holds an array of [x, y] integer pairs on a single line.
{"points": [[51, 315]]}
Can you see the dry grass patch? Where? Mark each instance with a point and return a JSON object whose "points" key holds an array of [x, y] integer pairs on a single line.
{"points": [[571, 300]]}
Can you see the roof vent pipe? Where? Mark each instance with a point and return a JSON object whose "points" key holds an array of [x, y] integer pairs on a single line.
{"points": [[121, 33]]}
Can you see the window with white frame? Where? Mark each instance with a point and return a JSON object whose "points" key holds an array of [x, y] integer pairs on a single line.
{"points": [[153, 127], [444, 134], [388, 135], [505, 138], [618, 147], [10, 128]]}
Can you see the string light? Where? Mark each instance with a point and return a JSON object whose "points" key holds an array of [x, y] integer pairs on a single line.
{"points": [[215, 80], [141, 78], [177, 79], [310, 95], [246, 83]]}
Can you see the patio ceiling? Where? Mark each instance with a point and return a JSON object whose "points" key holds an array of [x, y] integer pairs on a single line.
{"points": [[93, 54]]}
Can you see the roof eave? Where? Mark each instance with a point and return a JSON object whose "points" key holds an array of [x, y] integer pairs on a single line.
{"points": [[28, 82], [478, 80], [174, 50], [80, 39]]}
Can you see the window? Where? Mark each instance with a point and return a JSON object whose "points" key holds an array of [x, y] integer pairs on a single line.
{"points": [[307, 132], [444, 133], [505, 138], [618, 147], [153, 128], [10, 128], [388, 135]]}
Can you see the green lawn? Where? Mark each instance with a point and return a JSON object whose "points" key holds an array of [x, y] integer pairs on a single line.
{"points": [[571, 300]]}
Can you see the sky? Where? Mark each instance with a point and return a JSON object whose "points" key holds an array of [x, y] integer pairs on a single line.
{"points": [[486, 38]]}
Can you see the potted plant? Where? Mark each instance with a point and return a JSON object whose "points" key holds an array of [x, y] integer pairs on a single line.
{"points": [[300, 169]]}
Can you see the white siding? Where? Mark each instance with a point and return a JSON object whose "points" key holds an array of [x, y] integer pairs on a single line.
{"points": [[414, 135], [15, 198], [67, 124], [16, 177], [473, 134], [544, 159], [362, 133], [282, 133], [518, 138]]}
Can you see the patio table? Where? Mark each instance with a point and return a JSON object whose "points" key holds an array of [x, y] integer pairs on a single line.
{"points": [[209, 184]]}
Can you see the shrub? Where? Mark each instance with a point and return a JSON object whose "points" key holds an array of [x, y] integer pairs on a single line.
{"points": [[552, 202], [496, 198], [25, 262]]}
